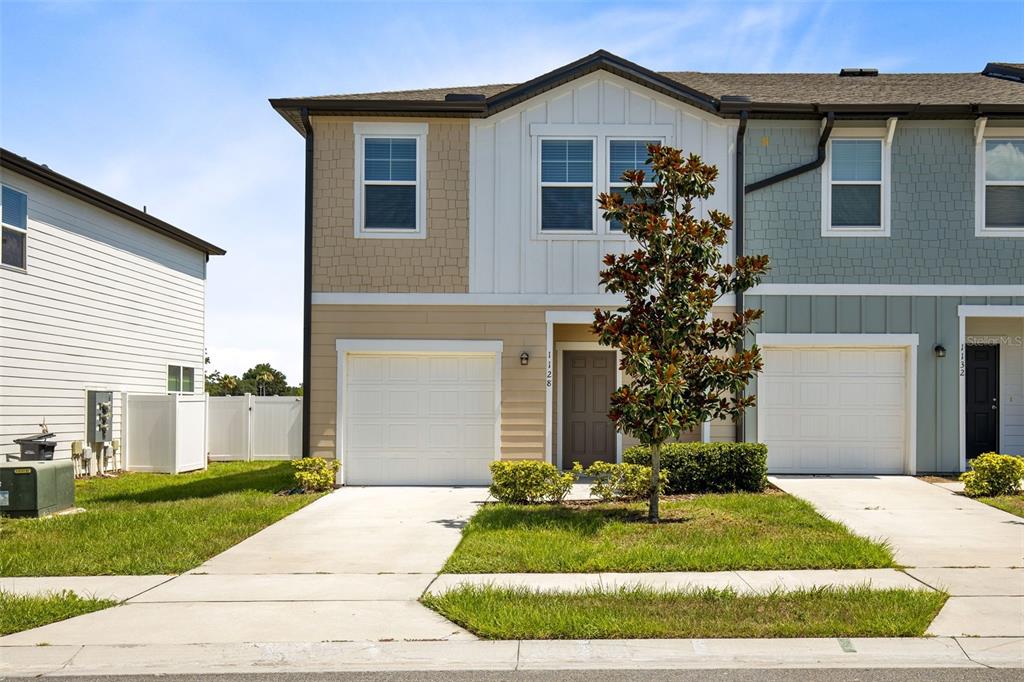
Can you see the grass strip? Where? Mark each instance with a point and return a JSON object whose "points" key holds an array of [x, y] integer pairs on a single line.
{"points": [[23, 612]]}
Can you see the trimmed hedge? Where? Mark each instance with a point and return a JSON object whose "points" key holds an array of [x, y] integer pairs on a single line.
{"points": [[708, 467], [993, 474]]}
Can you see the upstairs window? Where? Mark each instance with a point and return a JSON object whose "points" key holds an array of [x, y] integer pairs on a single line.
{"points": [[1003, 198], [180, 379], [567, 201], [14, 210], [390, 193], [625, 155], [856, 188]]}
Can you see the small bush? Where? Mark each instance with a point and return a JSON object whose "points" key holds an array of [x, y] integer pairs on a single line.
{"points": [[529, 482], [993, 474], [315, 474], [620, 481], [708, 467]]}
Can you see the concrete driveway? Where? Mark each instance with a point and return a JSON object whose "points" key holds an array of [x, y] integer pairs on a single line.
{"points": [[351, 566]]}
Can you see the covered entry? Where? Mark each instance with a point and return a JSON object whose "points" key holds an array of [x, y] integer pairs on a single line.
{"points": [[838, 403]]}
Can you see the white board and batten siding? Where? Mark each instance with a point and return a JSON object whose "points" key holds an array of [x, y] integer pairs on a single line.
{"points": [[104, 304], [508, 253]]}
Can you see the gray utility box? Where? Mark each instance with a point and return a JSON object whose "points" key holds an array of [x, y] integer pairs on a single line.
{"points": [[100, 413], [36, 488]]}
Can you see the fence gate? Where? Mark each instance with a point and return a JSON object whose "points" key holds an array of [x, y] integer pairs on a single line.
{"points": [[164, 433], [255, 427]]}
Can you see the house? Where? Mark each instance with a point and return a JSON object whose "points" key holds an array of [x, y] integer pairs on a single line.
{"points": [[453, 245], [96, 298]]}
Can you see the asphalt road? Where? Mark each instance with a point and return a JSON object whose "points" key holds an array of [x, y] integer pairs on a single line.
{"points": [[839, 675]]}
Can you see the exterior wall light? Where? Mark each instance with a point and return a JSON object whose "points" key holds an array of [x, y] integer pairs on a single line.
{"points": [[524, 358], [940, 351]]}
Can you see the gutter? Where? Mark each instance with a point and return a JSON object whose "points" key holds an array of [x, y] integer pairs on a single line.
{"points": [[830, 119], [307, 285]]}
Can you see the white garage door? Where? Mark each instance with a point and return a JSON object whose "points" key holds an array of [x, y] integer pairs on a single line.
{"points": [[419, 419], [834, 410]]}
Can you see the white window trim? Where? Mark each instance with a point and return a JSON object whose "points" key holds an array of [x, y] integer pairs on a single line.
{"points": [[615, 183], [417, 131], [181, 379], [593, 185], [884, 230], [22, 230], [984, 134]]}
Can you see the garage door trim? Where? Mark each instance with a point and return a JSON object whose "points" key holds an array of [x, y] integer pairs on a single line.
{"points": [[346, 347], [908, 342]]}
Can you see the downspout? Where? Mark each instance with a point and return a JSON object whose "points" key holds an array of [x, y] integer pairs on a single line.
{"points": [[737, 222], [307, 285], [826, 132]]}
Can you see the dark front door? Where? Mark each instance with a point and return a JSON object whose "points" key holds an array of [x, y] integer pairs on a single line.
{"points": [[588, 379], [982, 403]]}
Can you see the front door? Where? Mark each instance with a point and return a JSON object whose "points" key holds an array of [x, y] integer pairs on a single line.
{"points": [[588, 435], [982, 402]]}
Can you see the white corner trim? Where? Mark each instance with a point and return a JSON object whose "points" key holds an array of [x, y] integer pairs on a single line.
{"points": [[346, 347], [363, 130], [907, 341], [837, 340], [812, 289], [460, 347]]}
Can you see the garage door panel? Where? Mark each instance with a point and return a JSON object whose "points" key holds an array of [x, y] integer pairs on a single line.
{"points": [[419, 419], [834, 410]]}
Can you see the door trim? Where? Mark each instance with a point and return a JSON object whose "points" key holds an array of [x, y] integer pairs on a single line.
{"points": [[346, 347], [908, 342], [560, 348]]}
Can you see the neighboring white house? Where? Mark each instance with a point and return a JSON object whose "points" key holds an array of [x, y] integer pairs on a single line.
{"points": [[94, 295]]}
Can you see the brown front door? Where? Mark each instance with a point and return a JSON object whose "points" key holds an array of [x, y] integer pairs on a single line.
{"points": [[588, 379], [982, 400]]}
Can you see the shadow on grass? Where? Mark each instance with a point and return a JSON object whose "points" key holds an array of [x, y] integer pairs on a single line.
{"points": [[580, 520], [269, 479]]}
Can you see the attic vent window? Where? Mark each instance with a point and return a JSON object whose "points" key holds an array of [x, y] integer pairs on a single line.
{"points": [[858, 73], [736, 98], [464, 97]]}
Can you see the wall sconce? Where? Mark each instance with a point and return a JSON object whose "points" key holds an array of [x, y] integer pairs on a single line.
{"points": [[524, 358], [940, 351]]}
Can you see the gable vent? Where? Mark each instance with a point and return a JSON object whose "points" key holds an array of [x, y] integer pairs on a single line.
{"points": [[858, 73]]}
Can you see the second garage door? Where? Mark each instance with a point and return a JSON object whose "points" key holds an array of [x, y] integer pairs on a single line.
{"points": [[419, 419], [834, 410]]}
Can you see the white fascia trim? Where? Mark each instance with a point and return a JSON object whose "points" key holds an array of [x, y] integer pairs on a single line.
{"points": [[990, 311], [361, 131], [417, 346], [811, 289], [838, 340]]}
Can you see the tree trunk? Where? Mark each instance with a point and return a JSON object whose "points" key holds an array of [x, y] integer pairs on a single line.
{"points": [[652, 512]]}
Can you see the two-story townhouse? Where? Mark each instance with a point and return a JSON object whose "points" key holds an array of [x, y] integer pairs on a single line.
{"points": [[95, 296], [453, 245]]}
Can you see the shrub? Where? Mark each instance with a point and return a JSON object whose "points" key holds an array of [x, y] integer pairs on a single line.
{"points": [[993, 474], [315, 474], [529, 482], [708, 467], [620, 481]]}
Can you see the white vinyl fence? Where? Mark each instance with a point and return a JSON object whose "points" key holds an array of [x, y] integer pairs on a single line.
{"points": [[164, 433], [255, 427]]}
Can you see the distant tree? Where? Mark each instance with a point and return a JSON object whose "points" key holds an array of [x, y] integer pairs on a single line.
{"points": [[265, 380], [218, 384]]}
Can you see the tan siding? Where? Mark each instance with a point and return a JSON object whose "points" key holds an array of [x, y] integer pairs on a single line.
{"points": [[437, 264]]}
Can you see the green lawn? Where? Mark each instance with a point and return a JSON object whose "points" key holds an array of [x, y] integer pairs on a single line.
{"points": [[704, 533], [138, 524], [1013, 504], [24, 612], [503, 613]]}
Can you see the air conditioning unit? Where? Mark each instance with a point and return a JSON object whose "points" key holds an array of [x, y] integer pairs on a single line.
{"points": [[36, 488]]}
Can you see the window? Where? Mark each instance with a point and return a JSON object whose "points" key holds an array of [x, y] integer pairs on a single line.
{"points": [[14, 210], [624, 155], [856, 191], [567, 202], [180, 379], [1003, 197], [390, 195]]}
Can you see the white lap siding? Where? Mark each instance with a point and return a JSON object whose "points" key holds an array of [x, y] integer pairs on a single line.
{"points": [[104, 304]]}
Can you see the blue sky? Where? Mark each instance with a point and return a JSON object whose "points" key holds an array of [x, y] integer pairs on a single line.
{"points": [[165, 103]]}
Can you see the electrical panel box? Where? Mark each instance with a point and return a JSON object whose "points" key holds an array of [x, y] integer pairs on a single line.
{"points": [[100, 416], [36, 489]]}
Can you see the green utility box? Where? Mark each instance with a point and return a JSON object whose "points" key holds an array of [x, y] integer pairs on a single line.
{"points": [[36, 488]]}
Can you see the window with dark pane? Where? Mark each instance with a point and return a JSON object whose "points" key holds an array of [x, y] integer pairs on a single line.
{"points": [[856, 183], [624, 155], [14, 217], [567, 185], [1004, 184], [389, 183]]}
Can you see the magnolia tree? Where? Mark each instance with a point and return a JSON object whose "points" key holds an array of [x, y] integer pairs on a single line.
{"points": [[665, 334]]}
